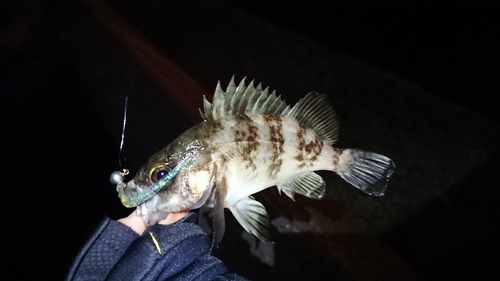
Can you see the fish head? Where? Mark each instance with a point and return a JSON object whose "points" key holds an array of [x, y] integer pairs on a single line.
{"points": [[177, 178]]}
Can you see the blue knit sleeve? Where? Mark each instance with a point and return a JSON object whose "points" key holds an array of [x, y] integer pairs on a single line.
{"points": [[108, 243], [180, 251]]}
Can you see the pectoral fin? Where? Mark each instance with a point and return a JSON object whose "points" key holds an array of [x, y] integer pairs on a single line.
{"points": [[219, 222], [310, 185], [252, 216]]}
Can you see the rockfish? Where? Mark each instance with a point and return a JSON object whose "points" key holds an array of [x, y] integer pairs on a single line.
{"points": [[250, 140]]}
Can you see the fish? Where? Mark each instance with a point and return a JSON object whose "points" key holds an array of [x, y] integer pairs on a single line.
{"points": [[250, 140]]}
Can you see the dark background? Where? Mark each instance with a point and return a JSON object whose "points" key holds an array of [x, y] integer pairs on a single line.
{"points": [[450, 50], [57, 152]]}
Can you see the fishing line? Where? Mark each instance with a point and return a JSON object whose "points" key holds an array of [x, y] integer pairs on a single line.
{"points": [[124, 125], [117, 176], [123, 135], [125, 110]]}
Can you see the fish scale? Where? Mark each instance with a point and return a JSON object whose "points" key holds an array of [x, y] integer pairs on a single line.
{"points": [[278, 155], [250, 140]]}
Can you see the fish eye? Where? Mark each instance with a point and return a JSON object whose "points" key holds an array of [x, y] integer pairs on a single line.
{"points": [[159, 172]]}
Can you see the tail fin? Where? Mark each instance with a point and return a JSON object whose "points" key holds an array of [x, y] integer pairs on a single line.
{"points": [[367, 171]]}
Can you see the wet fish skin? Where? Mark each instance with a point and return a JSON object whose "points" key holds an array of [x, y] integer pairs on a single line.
{"points": [[251, 140]]}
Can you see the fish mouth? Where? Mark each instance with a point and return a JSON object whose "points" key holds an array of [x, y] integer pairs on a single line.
{"points": [[131, 195]]}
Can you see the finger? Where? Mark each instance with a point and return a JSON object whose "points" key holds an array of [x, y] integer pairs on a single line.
{"points": [[174, 217], [134, 222]]}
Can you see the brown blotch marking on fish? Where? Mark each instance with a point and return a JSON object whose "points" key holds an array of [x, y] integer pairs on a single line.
{"points": [[215, 128], [336, 156], [308, 152], [301, 136], [300, 157], [245, 134], [277, 141], [314, 149], [201, 131]]}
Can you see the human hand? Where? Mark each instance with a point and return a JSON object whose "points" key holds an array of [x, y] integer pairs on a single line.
{"points": [[136, 223]]}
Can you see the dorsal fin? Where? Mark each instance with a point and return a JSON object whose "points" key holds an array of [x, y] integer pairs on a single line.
{"points": [[242, 99], [313, 111]]}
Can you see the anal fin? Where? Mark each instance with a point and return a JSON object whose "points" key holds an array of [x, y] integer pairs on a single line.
{"points": [[253, 217], [310, 185]]}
